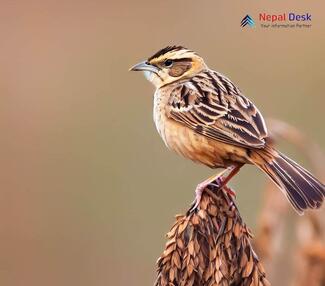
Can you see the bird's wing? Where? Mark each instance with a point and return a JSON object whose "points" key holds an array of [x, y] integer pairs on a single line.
{"points": [[212, 106]]}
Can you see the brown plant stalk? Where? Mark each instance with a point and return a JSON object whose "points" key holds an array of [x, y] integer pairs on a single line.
{"points": [[307, 249], [210, 246]]}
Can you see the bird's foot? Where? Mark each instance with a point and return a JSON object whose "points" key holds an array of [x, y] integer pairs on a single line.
{"points": [[198, 194], [215, 181], [218, 181]]}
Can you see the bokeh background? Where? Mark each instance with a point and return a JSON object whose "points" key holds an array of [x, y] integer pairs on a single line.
{"points": [[88, 189]]}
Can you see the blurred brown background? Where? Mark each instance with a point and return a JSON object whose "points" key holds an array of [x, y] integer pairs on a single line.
{"points": [[88, 189]]}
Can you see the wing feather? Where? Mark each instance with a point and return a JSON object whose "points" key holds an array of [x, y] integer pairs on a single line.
{"points": [[213, 106]]}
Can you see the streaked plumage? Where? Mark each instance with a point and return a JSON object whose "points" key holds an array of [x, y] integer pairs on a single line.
{"points": [[203, 116]]}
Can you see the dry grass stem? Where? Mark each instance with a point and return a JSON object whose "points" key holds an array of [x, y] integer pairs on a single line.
{"points": [[308, 245], [310, 260]]}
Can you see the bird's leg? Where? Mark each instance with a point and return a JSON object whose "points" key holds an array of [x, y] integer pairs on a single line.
{"points": [[230, 191], [201, 186], [218, 181], [222, 181], [219, 184]]}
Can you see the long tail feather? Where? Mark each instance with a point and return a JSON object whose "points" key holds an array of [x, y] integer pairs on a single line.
{"points": [[301, 188]]}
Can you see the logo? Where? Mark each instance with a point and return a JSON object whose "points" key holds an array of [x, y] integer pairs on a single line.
{"points": [[286, 20], [284, 17], [247, 20]]}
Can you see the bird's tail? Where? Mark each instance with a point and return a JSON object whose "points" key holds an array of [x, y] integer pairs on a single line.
{"points": [[301, 188]]}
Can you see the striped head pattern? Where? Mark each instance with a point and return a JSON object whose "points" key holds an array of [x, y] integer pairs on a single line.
{"points": [[171, 64]]}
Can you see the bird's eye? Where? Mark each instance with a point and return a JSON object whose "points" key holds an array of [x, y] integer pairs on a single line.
{"points": [[168, 63]]}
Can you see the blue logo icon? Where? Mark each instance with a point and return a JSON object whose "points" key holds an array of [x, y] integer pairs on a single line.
{"points": [[247, 20]]}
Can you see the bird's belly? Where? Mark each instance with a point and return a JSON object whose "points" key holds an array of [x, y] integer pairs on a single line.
{"points": [[199, 148]]}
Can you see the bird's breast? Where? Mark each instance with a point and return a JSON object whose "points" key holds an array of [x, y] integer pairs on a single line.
{"points": [[187, 142]]}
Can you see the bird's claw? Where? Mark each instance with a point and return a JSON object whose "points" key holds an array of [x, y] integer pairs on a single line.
{"points": [[199, 191], [217, 183]]}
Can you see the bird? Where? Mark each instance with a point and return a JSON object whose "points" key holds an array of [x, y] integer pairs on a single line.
{"points": [[203, 116]]}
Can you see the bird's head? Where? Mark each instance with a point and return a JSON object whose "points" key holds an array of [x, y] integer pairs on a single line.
{"points": [[170, 64]]}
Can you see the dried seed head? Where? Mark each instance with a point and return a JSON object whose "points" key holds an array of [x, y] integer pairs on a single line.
{"points": [[210, 247]]}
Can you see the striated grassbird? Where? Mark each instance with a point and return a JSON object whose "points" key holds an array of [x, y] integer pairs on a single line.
{"points": [[202, 115]]}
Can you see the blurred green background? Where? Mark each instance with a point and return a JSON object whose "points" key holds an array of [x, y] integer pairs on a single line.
{"points": [[88, 189]]}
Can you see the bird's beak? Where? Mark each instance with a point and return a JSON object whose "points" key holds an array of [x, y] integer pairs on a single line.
{"points": [[144, 66]]}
